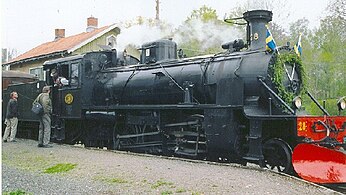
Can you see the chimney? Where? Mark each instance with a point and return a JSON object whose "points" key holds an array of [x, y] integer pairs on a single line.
{"points": [[256, 27], [59, 33], [91, 24]]}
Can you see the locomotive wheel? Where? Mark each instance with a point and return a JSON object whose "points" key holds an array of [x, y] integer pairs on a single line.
{"points": [[278, 154]]}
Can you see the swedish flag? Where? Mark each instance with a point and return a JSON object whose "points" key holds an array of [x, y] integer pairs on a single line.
{"points": [[298, 46], [270, 43]]}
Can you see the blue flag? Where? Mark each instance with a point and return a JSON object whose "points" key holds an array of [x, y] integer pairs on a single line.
{"points": [[298, 47], [270, 43]]}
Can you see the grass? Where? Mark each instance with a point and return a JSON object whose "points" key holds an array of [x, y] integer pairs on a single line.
{"points": [[166, 192], [112, 180], [60, 168], [27, 161], [17, 192], [180, 190], [162, 183], [117, 180]]}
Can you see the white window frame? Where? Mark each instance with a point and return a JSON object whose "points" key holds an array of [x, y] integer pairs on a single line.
{"points": [[113, 42], [39, 76]]}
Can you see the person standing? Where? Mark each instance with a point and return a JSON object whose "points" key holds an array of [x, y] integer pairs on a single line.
{"points": [[11, 120], [45, 120]]}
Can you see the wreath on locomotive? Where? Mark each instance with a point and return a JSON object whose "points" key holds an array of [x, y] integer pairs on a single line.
{"points": [[288, 85]]}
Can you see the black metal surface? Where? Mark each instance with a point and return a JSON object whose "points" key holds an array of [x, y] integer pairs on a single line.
{"points": [[255, 141], [221, 130]]}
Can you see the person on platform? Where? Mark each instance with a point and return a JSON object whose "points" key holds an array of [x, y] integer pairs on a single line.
{"points": [[11, 120], [45, 120]]}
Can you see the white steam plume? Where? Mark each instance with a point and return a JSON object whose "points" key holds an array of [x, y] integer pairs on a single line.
{"points": [[138, 34], [210, 34]]}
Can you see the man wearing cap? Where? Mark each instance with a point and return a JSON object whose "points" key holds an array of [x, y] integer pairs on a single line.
{"points": [[45, 126]]}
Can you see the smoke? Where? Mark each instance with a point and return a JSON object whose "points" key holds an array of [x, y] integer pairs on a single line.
{"points": [[208, 34], [137, 35]]}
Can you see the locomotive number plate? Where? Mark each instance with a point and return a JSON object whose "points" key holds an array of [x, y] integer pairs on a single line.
{"points": [[302, 126], [68, 98]]}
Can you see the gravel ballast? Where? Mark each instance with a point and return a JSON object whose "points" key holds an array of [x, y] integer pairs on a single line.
{"points": [[106, 172]]}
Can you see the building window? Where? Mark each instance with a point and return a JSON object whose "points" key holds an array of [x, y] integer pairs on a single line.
{"points": [[38, 72], [111, 41]]}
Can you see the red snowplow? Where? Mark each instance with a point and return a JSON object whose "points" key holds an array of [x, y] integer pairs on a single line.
{"points": [[321, 157]]}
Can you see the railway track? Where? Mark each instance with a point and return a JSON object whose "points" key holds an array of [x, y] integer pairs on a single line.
{"points": [[334, 188], [339, 188]]}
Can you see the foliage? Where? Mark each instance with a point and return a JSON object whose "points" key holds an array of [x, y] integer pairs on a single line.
{"points": [[60, 168], [280, 36], [204, 13], [278, 72], [180, 190], [112, 180], [338, 9], [300, 26], [324, 56], [17, 192], [162, 183], [331, 107], [115, 180], [141, 21], [166, 192]]}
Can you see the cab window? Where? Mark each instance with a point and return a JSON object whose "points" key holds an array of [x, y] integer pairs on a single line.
{"points": [[74, 76]]}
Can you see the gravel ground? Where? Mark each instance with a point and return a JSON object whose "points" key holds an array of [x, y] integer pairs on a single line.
{"points": [[105, 172]]}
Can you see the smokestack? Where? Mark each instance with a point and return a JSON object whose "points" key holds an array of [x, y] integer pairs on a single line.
{"points": [[59, 33], [91, 24], [256, 28]]}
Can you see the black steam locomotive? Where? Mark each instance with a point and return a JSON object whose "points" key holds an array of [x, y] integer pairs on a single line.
{"points": [[234, 106]]}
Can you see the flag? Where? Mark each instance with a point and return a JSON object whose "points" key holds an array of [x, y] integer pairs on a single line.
{"points": [[298, 47], [270, 43]]}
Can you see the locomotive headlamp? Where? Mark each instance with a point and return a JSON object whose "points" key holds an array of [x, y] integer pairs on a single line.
{"points": [[341, 103], [297, 102]]}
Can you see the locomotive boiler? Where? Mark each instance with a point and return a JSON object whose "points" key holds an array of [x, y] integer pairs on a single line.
{"points": [[241, 105]]}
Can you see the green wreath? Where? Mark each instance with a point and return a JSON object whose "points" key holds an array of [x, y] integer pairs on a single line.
{"points": [[277, 73]]}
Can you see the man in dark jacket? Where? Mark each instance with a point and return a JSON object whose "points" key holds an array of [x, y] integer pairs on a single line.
{"points": [[45, 120], [11, 118]]}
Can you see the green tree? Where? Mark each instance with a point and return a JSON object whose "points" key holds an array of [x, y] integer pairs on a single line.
{"points": [[329, 41], [204, 14], [324, 55], [279, 34]]}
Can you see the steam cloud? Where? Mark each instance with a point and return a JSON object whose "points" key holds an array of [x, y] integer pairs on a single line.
{"points": [[210, 34]]}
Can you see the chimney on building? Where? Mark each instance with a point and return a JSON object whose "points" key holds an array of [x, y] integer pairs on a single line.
{"points": [[59, 33], [91, 24]]}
